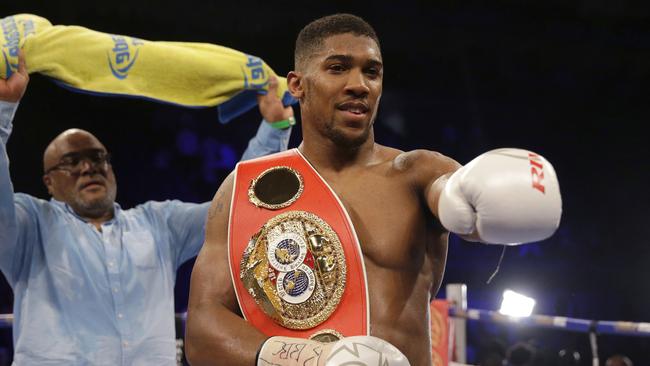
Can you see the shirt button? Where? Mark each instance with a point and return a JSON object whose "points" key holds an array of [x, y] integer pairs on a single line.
{"points": [[110, 264], [120, 315], [125, 343], [115, 289]]}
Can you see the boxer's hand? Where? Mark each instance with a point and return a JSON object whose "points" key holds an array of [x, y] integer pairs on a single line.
{"points": [[505, 196], [271, 106], [358, 350], [12, 89]]}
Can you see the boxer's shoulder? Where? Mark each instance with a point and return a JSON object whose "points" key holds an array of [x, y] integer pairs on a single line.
{"points": [[422, 161], [421, 167]]}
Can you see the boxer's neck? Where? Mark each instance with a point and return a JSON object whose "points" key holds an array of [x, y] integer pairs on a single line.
{"points": [[325, 155]]}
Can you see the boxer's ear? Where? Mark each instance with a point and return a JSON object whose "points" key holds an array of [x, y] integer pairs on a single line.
{"points": [[295, 84]]}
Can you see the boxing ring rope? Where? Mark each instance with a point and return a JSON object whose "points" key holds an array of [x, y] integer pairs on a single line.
{"points": [[593, 327], [6, 320], [459, 314], [599, 327]]}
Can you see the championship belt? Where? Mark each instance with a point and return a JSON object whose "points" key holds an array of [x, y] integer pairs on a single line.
{"points": [[295, 259]]}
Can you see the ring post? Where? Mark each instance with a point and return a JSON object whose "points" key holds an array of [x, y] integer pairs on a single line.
{"points": [[457, 297]]}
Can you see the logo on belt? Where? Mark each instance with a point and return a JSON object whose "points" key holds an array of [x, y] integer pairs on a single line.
{"points": [[294, 268]]}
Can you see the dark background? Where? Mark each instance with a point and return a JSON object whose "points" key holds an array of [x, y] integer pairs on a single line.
{"points": [[565, 79]]}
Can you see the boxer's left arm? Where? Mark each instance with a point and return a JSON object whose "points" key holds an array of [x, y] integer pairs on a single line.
{"points": [[439, 168], [216, 334], [505, 196]]}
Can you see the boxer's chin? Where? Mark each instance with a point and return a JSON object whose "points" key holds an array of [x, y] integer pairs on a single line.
{"points": [[346, 139]]}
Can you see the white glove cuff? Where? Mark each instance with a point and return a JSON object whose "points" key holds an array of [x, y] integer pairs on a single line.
{"points": [[454, 212]]}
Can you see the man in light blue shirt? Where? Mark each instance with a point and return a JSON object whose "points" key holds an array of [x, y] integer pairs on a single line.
{"points": [[93, 283]]}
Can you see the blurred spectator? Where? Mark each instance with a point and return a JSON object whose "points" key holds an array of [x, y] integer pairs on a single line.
{"points": [[521, 354], [492, 353], [618, 360], [567, 357]]}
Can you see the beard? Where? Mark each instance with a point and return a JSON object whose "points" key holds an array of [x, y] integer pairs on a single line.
{"points": [[95, 208], [345, 141]]}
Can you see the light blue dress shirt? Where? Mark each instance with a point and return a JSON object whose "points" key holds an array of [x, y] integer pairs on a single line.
{"points": [[90, 297]]}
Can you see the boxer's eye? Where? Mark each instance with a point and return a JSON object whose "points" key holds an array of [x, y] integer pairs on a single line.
{"points": [[276, 188], [337, 68]]}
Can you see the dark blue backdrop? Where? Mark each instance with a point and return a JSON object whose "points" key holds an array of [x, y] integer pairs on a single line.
{"points": [[565, 80]]}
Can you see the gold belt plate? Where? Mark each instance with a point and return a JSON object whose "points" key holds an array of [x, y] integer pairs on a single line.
{"points": [[294, 268]]}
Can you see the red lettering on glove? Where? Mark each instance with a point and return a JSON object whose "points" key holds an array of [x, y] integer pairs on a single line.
{"points": [[537, 176]]}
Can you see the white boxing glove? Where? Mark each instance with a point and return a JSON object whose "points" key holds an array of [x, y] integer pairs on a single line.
{"points": [[506, 196], [365, 350], [357, 350]]}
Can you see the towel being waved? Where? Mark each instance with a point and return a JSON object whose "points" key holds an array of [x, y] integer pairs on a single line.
{"points": [[187, 74]]}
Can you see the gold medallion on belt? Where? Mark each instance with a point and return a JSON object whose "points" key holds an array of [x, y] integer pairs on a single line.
{"points": [[294, 268]]}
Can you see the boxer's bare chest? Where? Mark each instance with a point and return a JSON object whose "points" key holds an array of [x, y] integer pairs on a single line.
{"points": [[386, 212], [395, 232]]}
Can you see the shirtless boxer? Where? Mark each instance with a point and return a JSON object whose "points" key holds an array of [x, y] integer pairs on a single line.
{"points": [[402, 206]]}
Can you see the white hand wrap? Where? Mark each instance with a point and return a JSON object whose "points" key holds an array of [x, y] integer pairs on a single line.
{"points": [[506, 196], [358, 350]]}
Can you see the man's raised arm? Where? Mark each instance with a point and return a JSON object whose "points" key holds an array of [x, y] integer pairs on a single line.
{"points": [[11, 90], [275, 129]]}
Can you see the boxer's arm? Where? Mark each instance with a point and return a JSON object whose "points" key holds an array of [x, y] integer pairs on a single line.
{"points": [[430, 171], [433, 191], [216, 334], [433, 170]]}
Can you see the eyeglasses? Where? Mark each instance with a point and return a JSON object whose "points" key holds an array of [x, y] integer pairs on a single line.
{"points": [[72, 162]]}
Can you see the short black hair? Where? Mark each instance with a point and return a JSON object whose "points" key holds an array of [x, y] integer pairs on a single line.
{"points": [[313, 34]]}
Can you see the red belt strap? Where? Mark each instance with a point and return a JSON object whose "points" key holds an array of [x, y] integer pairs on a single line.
{"points": [[351, 315]]}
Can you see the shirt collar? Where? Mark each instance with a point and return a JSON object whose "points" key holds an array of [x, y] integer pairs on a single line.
{"points": [[117, 209]]}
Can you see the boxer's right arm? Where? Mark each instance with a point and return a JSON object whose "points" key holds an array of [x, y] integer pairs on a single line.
{"points": [[216, 334]]}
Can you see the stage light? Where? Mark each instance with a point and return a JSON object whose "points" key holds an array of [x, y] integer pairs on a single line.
{"points": [[516, 304]]}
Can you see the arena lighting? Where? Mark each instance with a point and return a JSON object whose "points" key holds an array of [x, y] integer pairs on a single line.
{"points": [[516, 304]]}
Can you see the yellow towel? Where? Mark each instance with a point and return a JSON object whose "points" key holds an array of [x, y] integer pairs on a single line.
{"points": [[187, 74]]}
